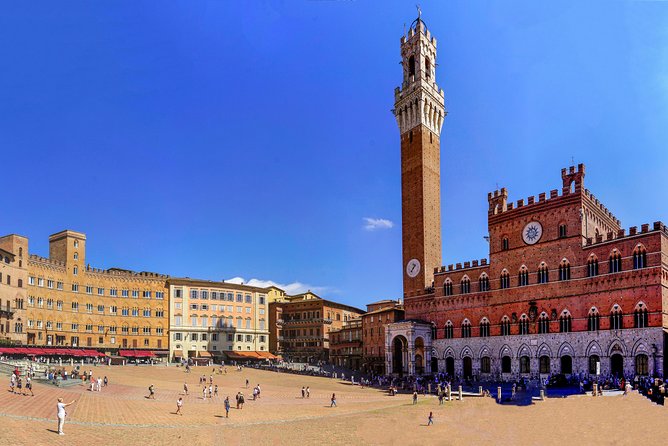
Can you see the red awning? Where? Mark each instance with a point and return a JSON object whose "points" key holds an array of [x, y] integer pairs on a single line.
{"points": [[136, 353]]}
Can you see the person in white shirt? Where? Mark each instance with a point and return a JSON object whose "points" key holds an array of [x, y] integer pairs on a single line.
{"points": [[62, 414]]}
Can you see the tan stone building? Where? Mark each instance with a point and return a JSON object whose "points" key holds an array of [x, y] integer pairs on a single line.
{"points": [[378, 316], [345, 345], [13, 282], [71, 304], [218, 320], [300, 325]]}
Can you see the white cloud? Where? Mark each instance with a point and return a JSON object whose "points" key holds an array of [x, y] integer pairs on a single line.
{"points": [[289, 288], [371, 224]]}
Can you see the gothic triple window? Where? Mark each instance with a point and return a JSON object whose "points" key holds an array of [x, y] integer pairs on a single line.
{"points": [[505, 326], [592, 267], [615, 262], [543, 324], [524, 325], [483, 283], [565, 322], [640, 316], [616, 318], [639, 258], [465, 286], [505, 280], [593, 320], [523, 277], [543, 274], [449, 331], [564, 270], [447, 288], [484, 328], [466, 329]]}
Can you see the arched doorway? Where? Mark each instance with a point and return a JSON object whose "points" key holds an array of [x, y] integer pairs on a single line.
{"points": [[419, 356], [594, 360], [566, 365], [399, 352], [450, 366], [505, 365], [468, 367], [434, 364], [617, 365]]}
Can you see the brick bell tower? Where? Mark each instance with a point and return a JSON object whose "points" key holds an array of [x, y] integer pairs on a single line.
{"points": [[420, 109]]}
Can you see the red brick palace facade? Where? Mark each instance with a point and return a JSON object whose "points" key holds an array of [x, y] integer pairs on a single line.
{"points": [[565, 290]]}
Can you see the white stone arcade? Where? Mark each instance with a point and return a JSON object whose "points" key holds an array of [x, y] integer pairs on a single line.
{"points": [[408, 349]]}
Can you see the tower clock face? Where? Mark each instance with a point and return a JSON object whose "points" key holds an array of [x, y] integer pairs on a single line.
{"points": [[413, 268], [532, 232]]}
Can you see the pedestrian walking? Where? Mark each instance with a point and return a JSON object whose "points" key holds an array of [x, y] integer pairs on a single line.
{"points": [[246, 383], [19, 386], [308, 392], [179, 405], [61, 414], [29, 385], [237, 398], [204, 392], [415, 397], [210, 391], [431, 419], [106, 381], [303, 392], [242, 400], [333, 400], [185, 388], [227, 407], [151, 392], [215, 390]]}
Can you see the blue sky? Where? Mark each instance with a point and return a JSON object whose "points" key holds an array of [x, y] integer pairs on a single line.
{"points": [[252, 139]]}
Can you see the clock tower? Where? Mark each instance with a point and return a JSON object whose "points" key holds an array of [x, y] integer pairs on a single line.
{"points": [[420, 109]]}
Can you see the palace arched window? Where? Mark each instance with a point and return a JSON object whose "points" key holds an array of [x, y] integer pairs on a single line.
{"points": [[465, 286], [616, 318], [523, 276], [427, 67], [593, 320], [447, 287], [543, 324], [615, 262], [505, 326], [505, 245], [544, 364], [411, 66], [483, 282], [565, 322], [639, 257], [484, 328], [505, 279], [543, 273], [466, 329], [564, 270], [449, 330], [592, 266], [562, 231], [640, 316], [524, 325]]}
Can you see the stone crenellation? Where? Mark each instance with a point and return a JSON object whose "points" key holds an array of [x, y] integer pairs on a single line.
{"points": [[498, 199], [633, 231]]}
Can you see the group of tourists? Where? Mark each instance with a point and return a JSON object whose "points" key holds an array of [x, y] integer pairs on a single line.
{"points": [[17, 385]]}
